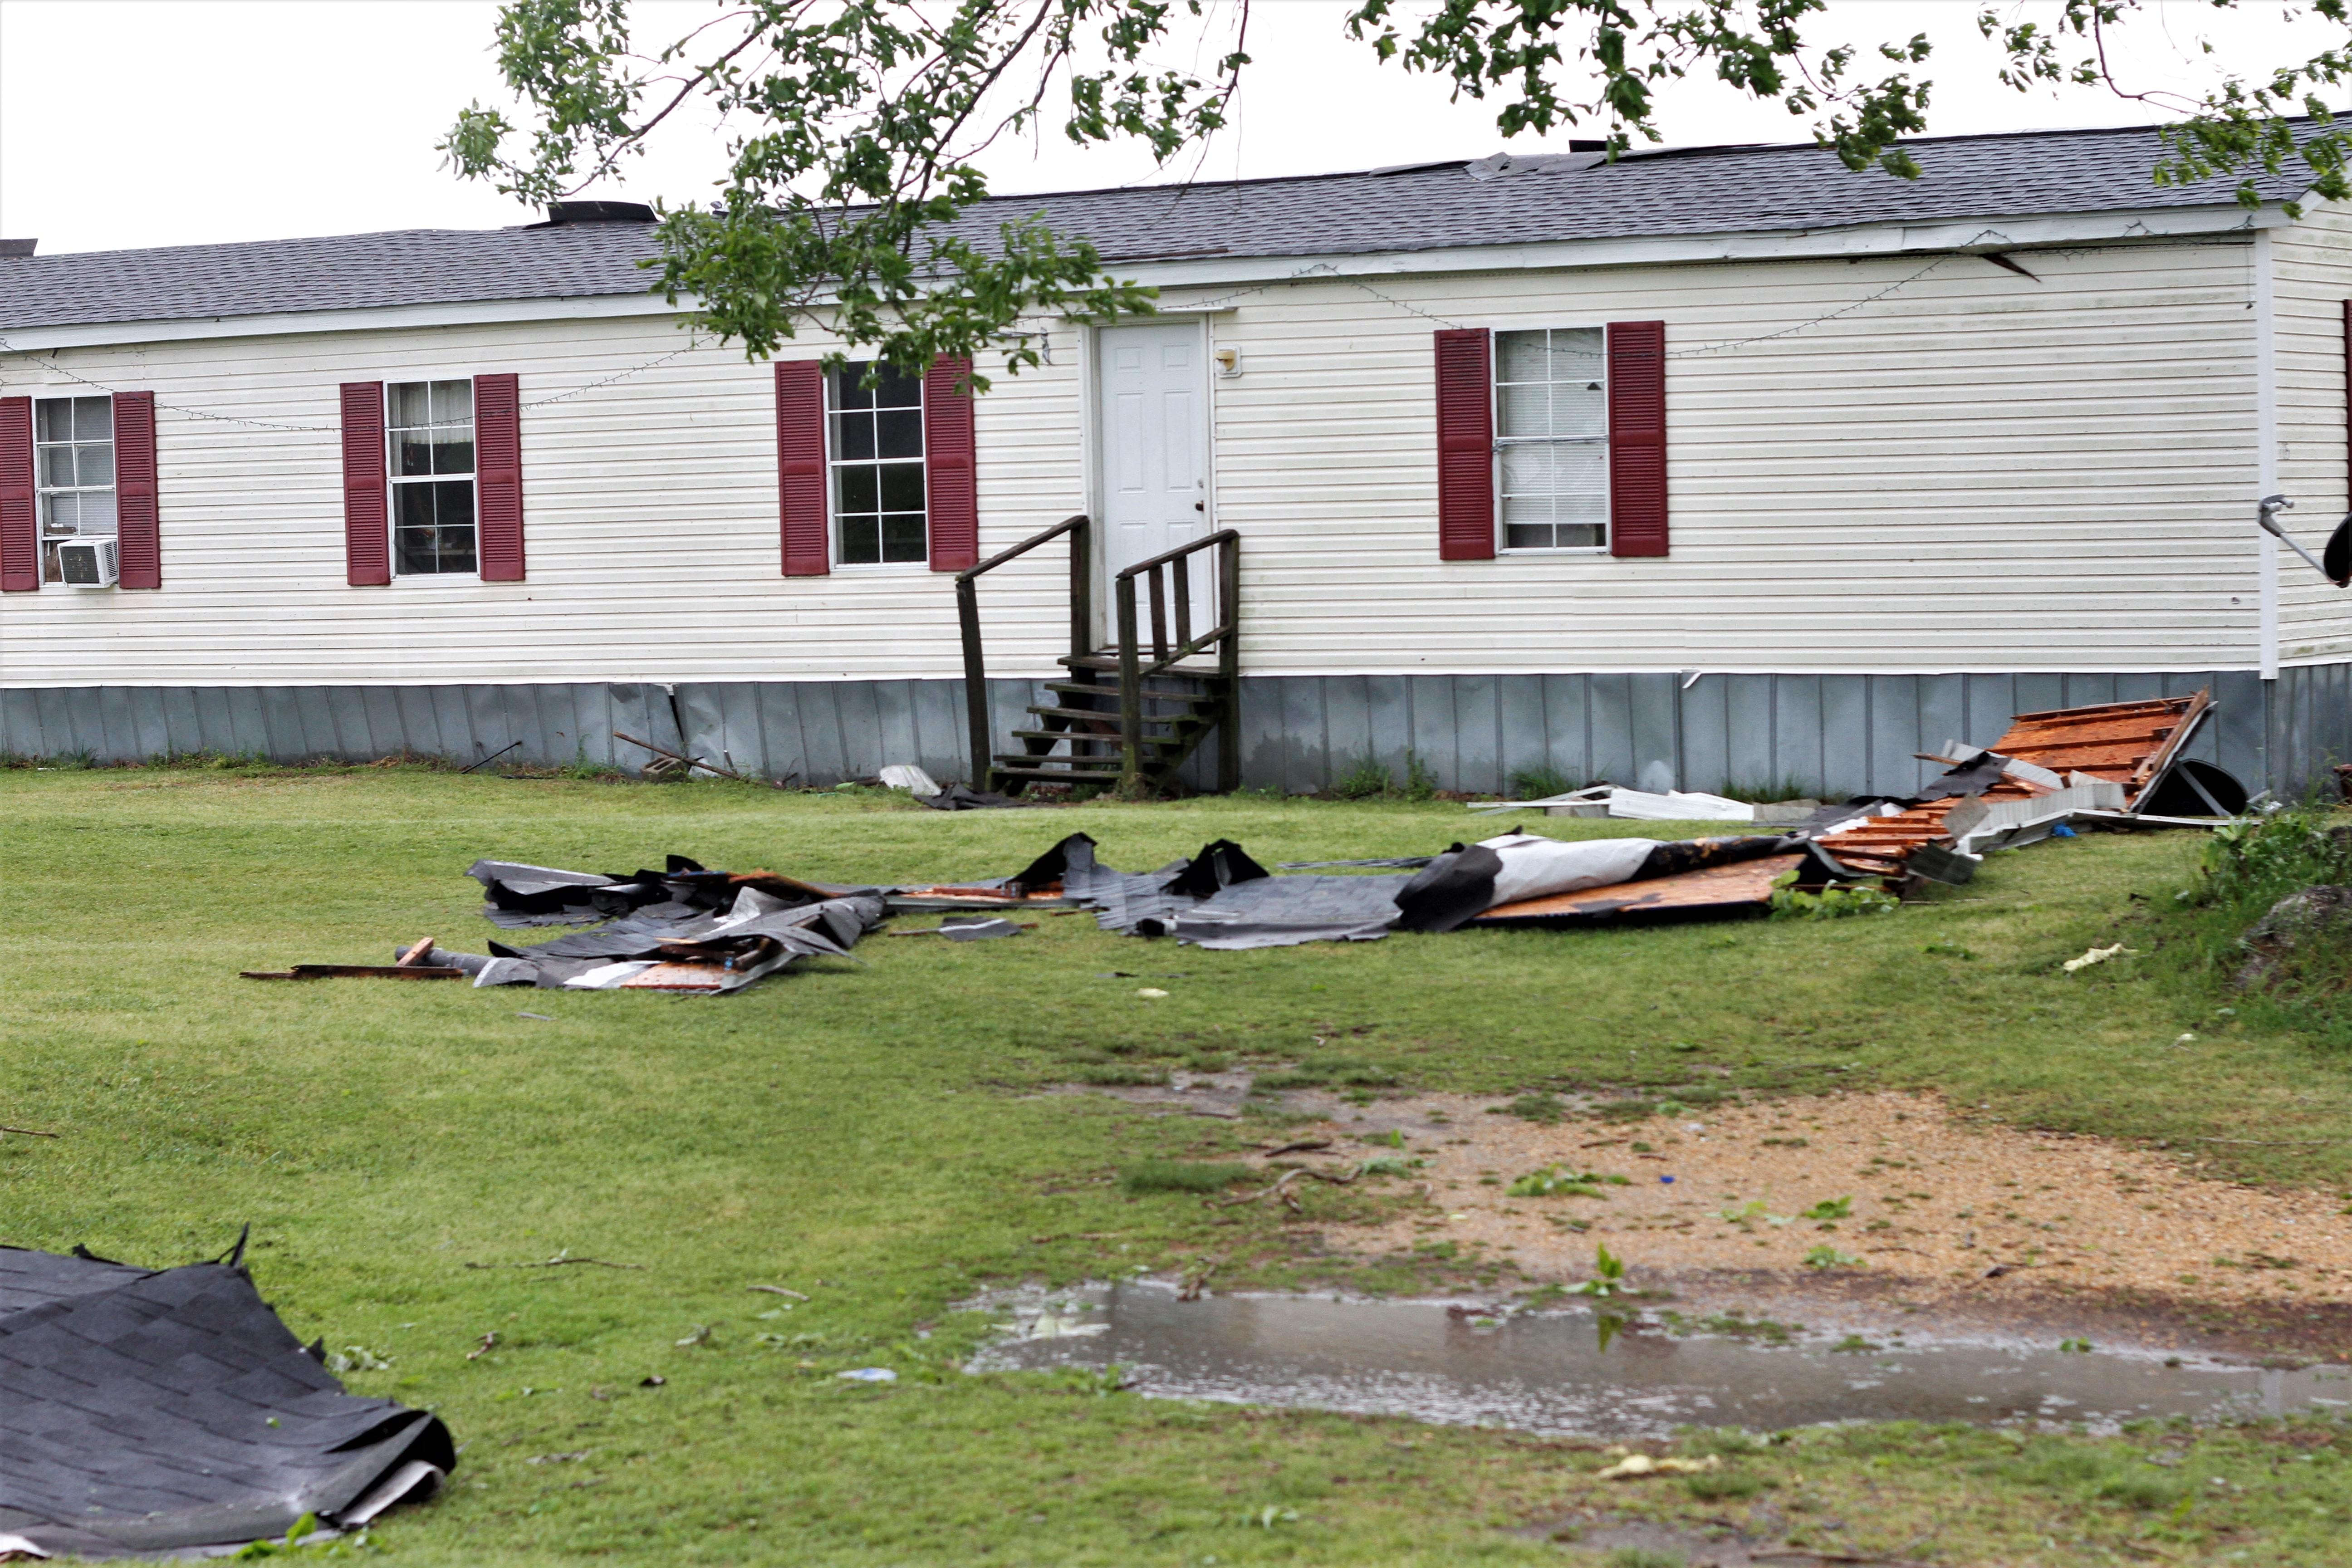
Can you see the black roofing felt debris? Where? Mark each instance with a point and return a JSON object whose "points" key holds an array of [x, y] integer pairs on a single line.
{"points": [[166, 1411], [683, 928]]}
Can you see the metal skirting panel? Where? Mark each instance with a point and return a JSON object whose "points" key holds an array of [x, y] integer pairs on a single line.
{"points": [[1829, 735], [555, 724], [1811, 734]]}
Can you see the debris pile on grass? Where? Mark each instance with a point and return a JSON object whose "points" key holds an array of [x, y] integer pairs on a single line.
{"points": [[683, 928]]}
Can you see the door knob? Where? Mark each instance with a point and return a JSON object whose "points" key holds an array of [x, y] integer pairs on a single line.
{"points": [[1200, 506]]}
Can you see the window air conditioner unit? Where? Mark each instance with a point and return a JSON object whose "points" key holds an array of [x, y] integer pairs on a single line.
{"points": [[87, 562]]}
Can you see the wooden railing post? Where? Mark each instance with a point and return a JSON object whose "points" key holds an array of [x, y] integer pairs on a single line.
{"points": [[975, 673], [975, 683], [1081, 587], [1130, 691], [1229, 665]]}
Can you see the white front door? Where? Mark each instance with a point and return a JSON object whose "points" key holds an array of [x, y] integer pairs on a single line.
{"points": [[1155, 458]]}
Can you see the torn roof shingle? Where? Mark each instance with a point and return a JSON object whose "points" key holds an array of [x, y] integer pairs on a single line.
{"points": [[1679, 192]]}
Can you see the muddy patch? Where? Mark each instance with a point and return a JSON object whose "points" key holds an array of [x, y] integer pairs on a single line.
{"points": [[1896, 1187]]}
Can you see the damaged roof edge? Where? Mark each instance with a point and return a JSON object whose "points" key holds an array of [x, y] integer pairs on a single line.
{"points": [[2219, 220]]}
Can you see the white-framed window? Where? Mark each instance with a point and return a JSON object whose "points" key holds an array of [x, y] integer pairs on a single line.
{"points": [[875, 444], [430, 427], [73, 473], [1551, 438]]}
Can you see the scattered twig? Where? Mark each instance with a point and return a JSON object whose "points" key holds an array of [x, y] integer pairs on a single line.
{"points": [[1194, 1282], [558, 1262], [27, 1131], [493, 757], [777, 1290], [692, 763], [483, 1348], [1304, 1146], [2276, 1142], [1777, 1554], [1266, 1192]]}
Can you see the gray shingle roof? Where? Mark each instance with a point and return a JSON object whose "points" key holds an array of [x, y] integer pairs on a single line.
{"points": [[1689, 191]]}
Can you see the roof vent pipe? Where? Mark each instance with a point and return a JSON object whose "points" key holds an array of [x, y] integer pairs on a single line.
{"points": [[562, 215]]}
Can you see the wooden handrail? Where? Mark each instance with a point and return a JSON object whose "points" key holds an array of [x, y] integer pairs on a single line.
{"points": [[1223, 536], [1023, 548], [975, 671], [1225, 636]]}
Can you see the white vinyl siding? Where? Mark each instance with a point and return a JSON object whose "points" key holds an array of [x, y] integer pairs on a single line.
{"points": [[2311, 279], [1976, 472]]}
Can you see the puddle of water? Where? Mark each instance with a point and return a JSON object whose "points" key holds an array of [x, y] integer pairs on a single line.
{"points": [[1549, 1372]]}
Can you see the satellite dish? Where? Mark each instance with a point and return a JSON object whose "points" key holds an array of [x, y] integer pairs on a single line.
{"points": [[2336, 559]]}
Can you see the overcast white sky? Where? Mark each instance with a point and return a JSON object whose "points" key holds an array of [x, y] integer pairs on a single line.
{"points": [[144, 122]]}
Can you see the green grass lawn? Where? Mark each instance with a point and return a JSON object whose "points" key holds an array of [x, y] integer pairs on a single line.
{"points": [[863, 1132]]}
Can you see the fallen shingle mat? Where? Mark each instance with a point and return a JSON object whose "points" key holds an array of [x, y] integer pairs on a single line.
{"points": [[153, 1412]]}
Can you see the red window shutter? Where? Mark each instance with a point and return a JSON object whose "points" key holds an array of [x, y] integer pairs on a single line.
{"points": [[138, 535], [498, 478], [800, 466], [367, 530], [948, 465], [1465, 444], [1637, 437], [20, 547]]}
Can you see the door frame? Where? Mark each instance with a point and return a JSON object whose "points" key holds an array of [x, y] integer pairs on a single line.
{"points": [[1091, 435]]}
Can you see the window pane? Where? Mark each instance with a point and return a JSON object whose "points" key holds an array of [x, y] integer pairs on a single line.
{"points": [[412, 506], [93, 418], [59, 514], [1523, 410], [1529, 470], [902, 537], [902, 486], [861, 540], [1526, 536], [97, 512], [846, 391], [453, 449], [53, 419], [56, 467], [453, 403], [455, 549], [852, 436], [453, 504], [414, 546], [896, 391], [1580, 484], [410, 408], [95, 464], [899, 432], [1522, 357], [858, 491], [412, 451]]}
